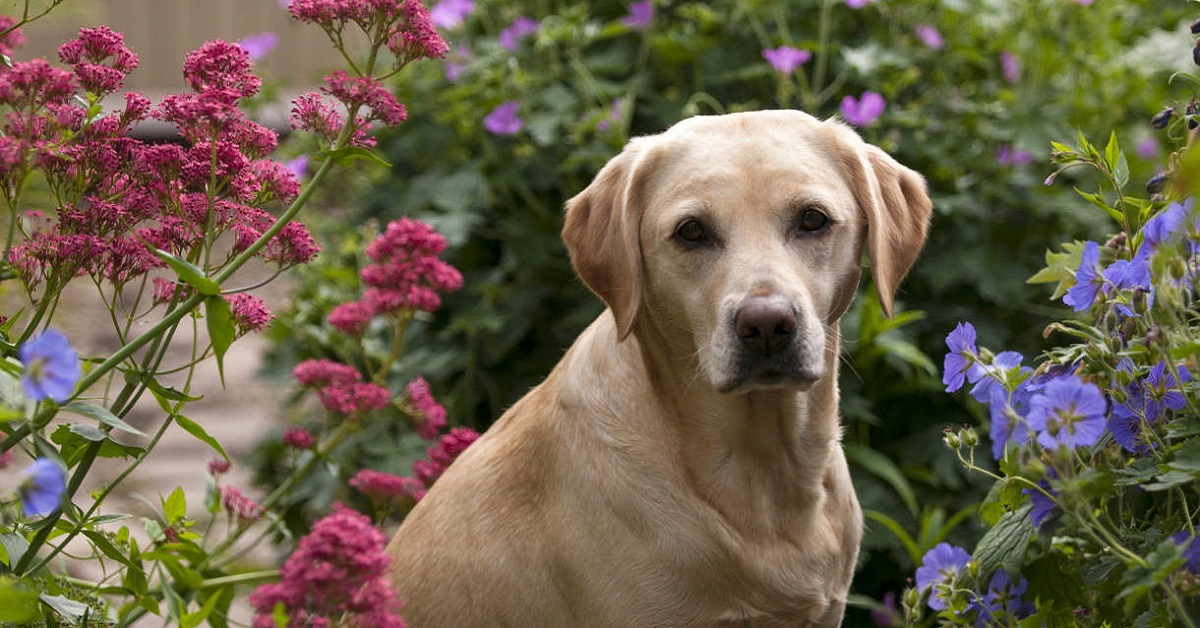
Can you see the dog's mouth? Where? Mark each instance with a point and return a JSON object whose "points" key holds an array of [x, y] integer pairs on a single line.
{"points": [[747, 378], [767, 345]]}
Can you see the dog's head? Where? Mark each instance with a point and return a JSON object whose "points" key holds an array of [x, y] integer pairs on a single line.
{"points": [[738, 239]]}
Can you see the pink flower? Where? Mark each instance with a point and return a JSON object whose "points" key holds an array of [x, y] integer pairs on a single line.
{"points": [[1147, 148], [250, 313], [1010, 157], [355, 92], [929, 36], [430, 415], [336, 574], [245, 510], [858, 4], [519, 29], [786, 59], [441, 455], [13, 38], [354, 400], [298, 438], [322, 373], [6, 457], [218, 466], [100, 59], [863, 111], [407, 274], [385, 487], [220, 67], [351, 318], [503, 120]]}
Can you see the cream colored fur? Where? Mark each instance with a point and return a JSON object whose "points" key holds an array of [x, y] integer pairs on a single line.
{"points": [[655, 478]]}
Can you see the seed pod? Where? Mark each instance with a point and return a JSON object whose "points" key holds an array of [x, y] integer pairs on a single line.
{"points": [[1162, 118], [1196, 27], [1196, 54], [1157, 183]]}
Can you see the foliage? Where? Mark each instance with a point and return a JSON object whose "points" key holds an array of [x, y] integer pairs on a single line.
{"points": [[164, 234], [1091, 517]]}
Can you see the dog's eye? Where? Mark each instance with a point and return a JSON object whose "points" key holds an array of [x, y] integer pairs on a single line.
{"points": [[811, 221], [692, 233]]}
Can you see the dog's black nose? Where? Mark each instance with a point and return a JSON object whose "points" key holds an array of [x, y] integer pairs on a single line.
{"points": [[765, 324]]}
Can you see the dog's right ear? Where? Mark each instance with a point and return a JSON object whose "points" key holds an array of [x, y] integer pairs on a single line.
{"points": [[601, 232]]}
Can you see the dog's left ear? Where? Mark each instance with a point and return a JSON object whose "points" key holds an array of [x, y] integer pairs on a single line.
{"points": [[897, 208], [601, 231]]}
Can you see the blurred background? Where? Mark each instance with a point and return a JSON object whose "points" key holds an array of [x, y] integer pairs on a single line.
{"points": [[973, 92]]}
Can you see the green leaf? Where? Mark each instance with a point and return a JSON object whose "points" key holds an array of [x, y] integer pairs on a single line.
{"points": [[1099, 201], [73, 438], [195, 429], [175, 505], [1140, 580], [17, 604], [907, 352], [191, 620], [1187, 457], [909, 543], [189, 273], [101, 414], [14, 546], [350, 154], [221, 330], [1004, 545], [882, 467], [69, 609]]}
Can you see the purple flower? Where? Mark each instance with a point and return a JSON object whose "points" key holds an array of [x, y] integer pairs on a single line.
{"points": [[1147, 148], [258, 45], [943, 562], [864, 110], [889, 613], [1010, 157], [992, 375], [503, 120], [1008, 411], [1003, 596], [515, 32], [298, 166], [929, 36], [641, 15], [1084, 2], [51, 367], [786, 59], [1067, 412], [959, 364], [1010, 68], [450, 14], [1043, 505], [42, 489], [1087, 279], [858, 4], [1191, 553], [1129, 275], [1163, 225]]}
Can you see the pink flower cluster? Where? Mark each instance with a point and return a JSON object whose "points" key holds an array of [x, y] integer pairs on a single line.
{"points": [[340, 387], [298, 438], [243, 509], [386, 487], [441, 454], [407, 275], [336, 576], [134, 195], [402, 26], [429, 415]]}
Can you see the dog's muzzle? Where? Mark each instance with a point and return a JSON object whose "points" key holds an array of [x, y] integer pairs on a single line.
{"points": [[771, 348]]}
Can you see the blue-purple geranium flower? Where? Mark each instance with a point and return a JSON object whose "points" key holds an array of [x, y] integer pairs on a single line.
{"points": [[959, 365], [42, 489], [1067, 412], [641, 15], [51, 367], [1088, 279], [1003, 599], [258, 45], [864, 110], [450, 14], [519, 29], [930, 36], [941, 564], [785, 59], [503, 120], [1043, 504]]}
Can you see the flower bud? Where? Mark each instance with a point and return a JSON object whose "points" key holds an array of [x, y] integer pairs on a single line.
{"points": [[1162, 118], [912, 605], [1155, 335], [1157, 183], [1196, 54], [970, 437], [952, 440], [1196, 27], [1178, 268], [1036, 468]]}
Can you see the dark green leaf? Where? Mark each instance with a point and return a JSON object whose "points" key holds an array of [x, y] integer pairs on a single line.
{"points": [[221, 329], [189, 273], [883, 468], [1004, 545]]}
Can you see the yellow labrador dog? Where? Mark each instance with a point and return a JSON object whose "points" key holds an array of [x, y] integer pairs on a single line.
{"points": [[682, 465]]}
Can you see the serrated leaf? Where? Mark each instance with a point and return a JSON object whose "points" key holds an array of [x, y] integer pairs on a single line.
{"points": [[1187, 457], [189, 273], [221, 330], [1004, 545], [195, 429], [175, 505], [101, 414]]}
